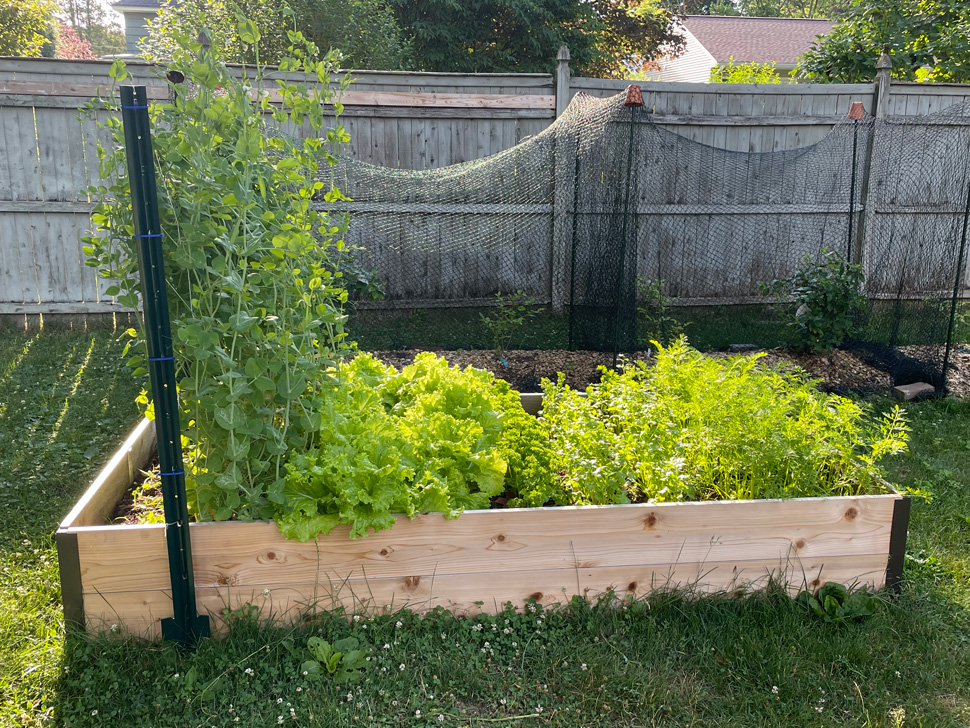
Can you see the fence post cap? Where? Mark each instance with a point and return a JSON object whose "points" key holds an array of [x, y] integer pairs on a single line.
{"points": [[634, 96], [884, 62], [563, 54]]}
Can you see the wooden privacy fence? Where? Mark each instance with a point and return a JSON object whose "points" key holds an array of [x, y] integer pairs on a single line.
{"points": [[395, 119]]}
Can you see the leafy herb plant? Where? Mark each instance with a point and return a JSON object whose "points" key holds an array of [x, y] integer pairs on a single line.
{"points": [[663, 433], [823, 299], [654, 322], [254, 266], [511, 313]]}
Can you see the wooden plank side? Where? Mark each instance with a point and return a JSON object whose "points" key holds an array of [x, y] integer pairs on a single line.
{"points": [[504, 540], [114, 479], [468, 594]]}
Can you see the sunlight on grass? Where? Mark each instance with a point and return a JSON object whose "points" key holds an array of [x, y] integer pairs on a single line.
{"points": [[62, 394], [12, 367], [73, 390]]}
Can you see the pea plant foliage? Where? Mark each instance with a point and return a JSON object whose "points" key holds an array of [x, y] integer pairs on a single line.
{"points": [[253, 265]]}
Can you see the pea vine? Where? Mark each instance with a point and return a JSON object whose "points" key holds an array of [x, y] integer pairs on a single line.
{"points": [[254, 267]]}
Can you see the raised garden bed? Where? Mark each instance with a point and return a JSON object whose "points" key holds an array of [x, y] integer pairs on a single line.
{"points": [[118, 574]]}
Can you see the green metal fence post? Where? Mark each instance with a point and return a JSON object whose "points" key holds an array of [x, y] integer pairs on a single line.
{"points": [[186, 626]]}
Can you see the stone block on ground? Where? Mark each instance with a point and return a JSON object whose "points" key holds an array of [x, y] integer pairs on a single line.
{"points": [[906, 392]]}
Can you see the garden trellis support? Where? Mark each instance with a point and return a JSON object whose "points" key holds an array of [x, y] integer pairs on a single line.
{"points": [[186, 626]]}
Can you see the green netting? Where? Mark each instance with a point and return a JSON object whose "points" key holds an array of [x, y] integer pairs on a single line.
{"points": [[623, 231]]}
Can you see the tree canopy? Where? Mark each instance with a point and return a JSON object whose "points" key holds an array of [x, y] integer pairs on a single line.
{"points": [[94, 25], [364, 31], [605, 37], [928, 40], [26, 26]]}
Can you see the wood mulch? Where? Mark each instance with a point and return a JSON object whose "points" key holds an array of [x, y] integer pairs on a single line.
{"points": [[839, 370]]}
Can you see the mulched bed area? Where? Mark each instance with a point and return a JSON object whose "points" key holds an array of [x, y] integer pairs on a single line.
{"points": [[839, 371]]}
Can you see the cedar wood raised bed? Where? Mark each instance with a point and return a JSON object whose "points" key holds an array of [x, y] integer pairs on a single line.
{"points": [[118, 574]]}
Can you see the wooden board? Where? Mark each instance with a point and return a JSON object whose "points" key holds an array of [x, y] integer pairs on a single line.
{"points": [[114, 479], [501, 541], [142, 611]]}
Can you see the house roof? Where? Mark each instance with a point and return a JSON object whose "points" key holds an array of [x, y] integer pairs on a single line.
{"points": [[137, 4], [760, 40]]}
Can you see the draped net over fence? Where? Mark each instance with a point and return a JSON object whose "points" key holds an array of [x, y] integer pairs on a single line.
{"points": [[627, 232]]}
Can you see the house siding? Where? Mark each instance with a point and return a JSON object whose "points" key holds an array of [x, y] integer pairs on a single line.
{"points": [[692, 66], [136, 28]]}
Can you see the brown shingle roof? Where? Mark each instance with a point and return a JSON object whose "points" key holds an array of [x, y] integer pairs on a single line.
{"points": [[760, 40]]}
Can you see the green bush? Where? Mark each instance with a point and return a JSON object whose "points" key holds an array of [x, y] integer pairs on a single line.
{"points": [[823, 299], [428, 438]]}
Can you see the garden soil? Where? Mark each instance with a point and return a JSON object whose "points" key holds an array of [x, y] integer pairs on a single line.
{"points": [[839, 371]]}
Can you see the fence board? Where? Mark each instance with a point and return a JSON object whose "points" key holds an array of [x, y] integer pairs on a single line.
{"points": [[43, 207]]}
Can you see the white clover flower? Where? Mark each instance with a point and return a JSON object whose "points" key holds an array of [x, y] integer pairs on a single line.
{"points": [[279, 701], [583, 667], [818, 708], [394, 702], [398, 624], [441, 718], [279, 720], [386, 646], [401, 666], [299, 688], [266, 592], [539, 708], [94, 713], [502, 701], [175, 676], [356, 617], [249, 671], [774, 689], [417, 714]]}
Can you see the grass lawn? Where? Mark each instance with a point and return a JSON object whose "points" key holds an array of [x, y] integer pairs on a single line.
{"points": [[669, 661]]}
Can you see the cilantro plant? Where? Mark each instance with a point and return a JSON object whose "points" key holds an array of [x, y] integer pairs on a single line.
{"points": [[695, 428], [254, 268]]}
